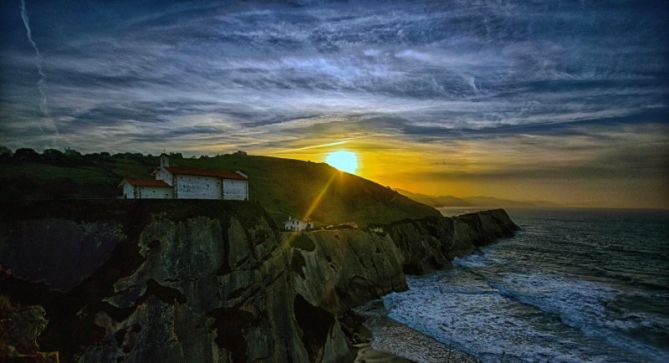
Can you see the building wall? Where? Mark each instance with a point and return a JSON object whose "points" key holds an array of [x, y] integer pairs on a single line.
{"points": [[164, 175], [197, 187], [128, 191], [297, 225], [235, 189], [154, 193]]}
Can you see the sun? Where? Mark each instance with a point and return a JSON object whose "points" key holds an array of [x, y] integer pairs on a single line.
{"points": [[343, 160]]}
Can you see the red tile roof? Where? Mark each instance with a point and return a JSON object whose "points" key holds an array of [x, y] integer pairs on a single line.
{"points": [[147, 183], [223, 174]]}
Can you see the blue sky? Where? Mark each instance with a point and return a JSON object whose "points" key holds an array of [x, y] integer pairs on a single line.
{"points": [[481, 91]]}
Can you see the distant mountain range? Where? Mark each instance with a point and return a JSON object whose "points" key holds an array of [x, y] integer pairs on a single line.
{"points": [[477, 201]]}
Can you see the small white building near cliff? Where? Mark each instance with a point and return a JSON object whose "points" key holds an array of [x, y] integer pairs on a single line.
{"points": [[293, 224], [188, 183]]}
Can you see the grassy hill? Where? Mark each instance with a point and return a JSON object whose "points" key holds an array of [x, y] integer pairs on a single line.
{"points": [[283, 186]]}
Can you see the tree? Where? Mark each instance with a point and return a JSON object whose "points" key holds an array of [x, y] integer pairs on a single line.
{"points": [[26, 154], [72, 153], [5, 153]]}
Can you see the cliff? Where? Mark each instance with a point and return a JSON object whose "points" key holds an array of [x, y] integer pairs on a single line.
{"points": [[431, 243], [205, 281]]}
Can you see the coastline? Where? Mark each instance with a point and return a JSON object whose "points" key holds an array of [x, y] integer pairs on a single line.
{"points": [[528, 300], [391, 341], [116, 274], [387, 340]]}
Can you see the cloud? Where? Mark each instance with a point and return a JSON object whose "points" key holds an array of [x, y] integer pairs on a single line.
{"points": [[501, 64], [269, 77]]}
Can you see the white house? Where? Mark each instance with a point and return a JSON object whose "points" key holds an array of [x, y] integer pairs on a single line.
{"points": [[146, 189], [293, 224], [189, 183]]}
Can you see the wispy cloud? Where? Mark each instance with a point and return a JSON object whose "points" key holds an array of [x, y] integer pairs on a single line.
{"points": [[210, 77], [41, 83]]}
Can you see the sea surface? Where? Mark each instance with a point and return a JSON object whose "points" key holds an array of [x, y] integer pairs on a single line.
{"points": [[571, 286]]}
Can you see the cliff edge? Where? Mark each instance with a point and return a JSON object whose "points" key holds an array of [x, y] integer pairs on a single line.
{"points": [[205, 281]]}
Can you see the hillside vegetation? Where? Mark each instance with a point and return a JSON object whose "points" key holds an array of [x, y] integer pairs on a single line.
{"points": [[284, 187]]}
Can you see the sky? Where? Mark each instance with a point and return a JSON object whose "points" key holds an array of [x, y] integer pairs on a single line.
{"points": [[563, 101]]}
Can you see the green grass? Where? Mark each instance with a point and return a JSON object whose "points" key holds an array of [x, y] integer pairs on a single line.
{"points": [[282, 186], [52, 172]]}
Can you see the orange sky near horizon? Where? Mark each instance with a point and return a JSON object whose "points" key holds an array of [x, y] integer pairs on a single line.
{"points": [[493, 168]]}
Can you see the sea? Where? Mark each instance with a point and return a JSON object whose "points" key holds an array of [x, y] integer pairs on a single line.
{"points": [[573, 285]]}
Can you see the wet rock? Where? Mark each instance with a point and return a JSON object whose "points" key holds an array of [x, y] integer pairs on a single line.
{"points": [[28, 249], [19, 328]]}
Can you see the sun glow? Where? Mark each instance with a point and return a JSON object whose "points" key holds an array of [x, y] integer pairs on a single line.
{"points": [[343, 160]]}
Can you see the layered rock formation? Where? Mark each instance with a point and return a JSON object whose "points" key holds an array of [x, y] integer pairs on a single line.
{"points": [[208, 281], [431, 243]]}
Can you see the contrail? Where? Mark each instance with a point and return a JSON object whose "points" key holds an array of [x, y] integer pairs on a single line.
{"points": [[41, 83]]}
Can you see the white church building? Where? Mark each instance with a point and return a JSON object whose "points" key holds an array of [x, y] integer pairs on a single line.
{"points": [[294, 224], [187, 183]]}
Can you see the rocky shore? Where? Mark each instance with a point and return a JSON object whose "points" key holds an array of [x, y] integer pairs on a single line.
{"points": [[204, 281]]}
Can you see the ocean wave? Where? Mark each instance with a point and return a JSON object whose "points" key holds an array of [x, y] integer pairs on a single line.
{"points": [[490, 326], [583, 305], [520, 317], [572, 299], [475, 260], [656, 280], [562, 290]]}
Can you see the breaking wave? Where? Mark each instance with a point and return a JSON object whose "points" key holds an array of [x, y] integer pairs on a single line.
{"points": [[548, 294]]}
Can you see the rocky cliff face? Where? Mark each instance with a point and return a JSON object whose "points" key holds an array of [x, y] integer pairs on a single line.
{"points": [[206, 281], [431, 243]]}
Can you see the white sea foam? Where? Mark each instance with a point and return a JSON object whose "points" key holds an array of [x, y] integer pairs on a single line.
{"points": [[575, 301], [570, 287], [582, 305], [509, 319], [477, 260]]}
